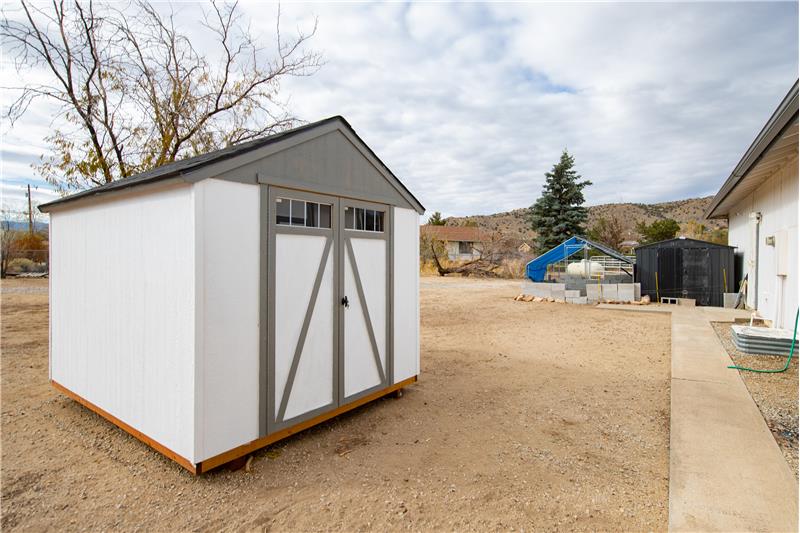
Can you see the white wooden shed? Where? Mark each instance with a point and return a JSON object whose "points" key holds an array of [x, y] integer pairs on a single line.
{"points": [[215, 305]]}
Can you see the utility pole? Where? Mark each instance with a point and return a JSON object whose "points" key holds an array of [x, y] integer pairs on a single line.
{"points": [[30, 211]]}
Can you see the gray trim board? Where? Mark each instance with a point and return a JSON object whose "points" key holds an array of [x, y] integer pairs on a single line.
{"points": [[211, 164], [274, 422], [386, 235]]}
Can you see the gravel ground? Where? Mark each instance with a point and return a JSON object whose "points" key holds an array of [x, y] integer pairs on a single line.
{"points": [[526, 417], [20, 286], [775, 394]]}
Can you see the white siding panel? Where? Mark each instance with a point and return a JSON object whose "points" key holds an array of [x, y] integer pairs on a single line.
{"points": [[360, 369], [406, 293], [777, 201], [297, 259], [122, 310], [313, 382], [229, 315]]}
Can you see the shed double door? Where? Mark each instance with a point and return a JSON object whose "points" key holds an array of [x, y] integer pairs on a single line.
{"points": [[684, 273], [328, 304]]}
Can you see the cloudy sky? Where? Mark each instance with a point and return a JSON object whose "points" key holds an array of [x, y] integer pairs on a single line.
{"points": [[470, 104]]}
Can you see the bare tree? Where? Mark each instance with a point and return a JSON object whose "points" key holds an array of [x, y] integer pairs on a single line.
{"points": [[134, 92], [9, 244], [608, 231], [489, 259]]}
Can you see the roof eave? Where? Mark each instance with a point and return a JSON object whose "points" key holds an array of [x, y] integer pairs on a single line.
{"points": [[780, 119]]}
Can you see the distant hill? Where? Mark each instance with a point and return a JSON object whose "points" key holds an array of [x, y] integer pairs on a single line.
{"points": [[513, 224], [17, 225]]}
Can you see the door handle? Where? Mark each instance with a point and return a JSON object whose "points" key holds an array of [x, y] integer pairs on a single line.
{"points": [[345, 302]]}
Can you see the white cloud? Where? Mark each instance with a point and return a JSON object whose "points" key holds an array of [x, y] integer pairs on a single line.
{"points": [[470, 104]]}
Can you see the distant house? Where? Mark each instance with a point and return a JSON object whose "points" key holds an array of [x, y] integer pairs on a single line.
{"points": [[759, 200], [627, 247], [461, 242]]}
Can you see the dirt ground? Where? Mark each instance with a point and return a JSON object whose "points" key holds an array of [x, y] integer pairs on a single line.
{"points": [[775, 394], [526, 417]]}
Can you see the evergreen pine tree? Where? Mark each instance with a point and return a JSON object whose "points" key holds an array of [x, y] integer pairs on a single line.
{"points": [[559, 213]]}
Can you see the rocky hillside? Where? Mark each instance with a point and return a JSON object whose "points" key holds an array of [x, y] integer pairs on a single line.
{"points": [[513, 224]]}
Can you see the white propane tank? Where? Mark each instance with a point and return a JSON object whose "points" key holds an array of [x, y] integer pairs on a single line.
{"points": [[579, 268]]}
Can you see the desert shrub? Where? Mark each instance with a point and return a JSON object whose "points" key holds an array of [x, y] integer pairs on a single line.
{"points": [[513, 268], [22, 264], [427, 268]]}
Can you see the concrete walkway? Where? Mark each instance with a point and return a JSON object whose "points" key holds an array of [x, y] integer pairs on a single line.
{"points": [[726, 472]]}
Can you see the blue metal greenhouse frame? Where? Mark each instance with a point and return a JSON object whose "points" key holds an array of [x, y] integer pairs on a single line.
{"points": [[536, 269]]}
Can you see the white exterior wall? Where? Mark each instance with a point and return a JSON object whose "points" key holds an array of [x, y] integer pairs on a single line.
{"points": [[777, 201], [122, 310], [405, 242], [228, 315]]}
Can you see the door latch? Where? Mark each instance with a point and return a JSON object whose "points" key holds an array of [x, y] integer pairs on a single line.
{"points": [[345, 302]]}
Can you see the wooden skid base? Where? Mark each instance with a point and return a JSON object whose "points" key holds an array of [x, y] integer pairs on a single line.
{"points": [[250, 447], [188, 465], [239, 451]]}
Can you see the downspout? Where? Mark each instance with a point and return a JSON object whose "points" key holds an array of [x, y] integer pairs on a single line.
{"points": [[756, 218]]}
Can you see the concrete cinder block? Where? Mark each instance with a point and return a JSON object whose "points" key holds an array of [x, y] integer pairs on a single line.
{"points": [[558, 294], [729, 299], [542, 289], [637, 291], [609, 291], [572, 293], [593, 292], [625, 292], [580, 300]]}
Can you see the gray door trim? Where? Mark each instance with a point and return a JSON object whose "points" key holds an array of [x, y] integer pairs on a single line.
{"points": [[298, 350], [345, 236], [272, 422], [365, 311]]}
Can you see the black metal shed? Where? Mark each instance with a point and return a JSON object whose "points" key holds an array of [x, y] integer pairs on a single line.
{"points": [[686, 268]]}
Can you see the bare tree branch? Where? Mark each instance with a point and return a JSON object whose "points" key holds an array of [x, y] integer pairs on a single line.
{"points": [[138, 91]]}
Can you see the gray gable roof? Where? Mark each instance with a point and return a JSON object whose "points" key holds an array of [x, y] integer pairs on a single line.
{"points": [[183, 167]]}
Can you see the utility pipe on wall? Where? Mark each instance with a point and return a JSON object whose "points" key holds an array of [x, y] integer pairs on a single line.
{"points": [[755, 216]]}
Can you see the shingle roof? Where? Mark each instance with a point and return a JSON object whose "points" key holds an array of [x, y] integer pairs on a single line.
{"points": [[455, 233], [190, 164]]}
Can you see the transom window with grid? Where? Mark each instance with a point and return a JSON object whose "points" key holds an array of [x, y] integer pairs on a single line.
{"points": [[361, 219], [290, 212]]}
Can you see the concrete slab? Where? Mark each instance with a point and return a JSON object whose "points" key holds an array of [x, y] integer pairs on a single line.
{"points": [[726, 471], [637, 291], [572, 293]]}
